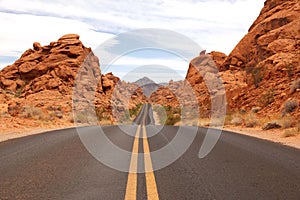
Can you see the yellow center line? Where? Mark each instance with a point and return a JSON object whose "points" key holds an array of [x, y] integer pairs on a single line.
{"points": [[131, 188], [152, 193], [132, 176]]}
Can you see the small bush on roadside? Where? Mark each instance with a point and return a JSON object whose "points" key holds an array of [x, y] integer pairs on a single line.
{"points": [[290, 105], [291, 132], [125, 118], [287, 122], [134, 111], [250, 120], [237, 121], [171, 117], [33, 112], [102, 114], [81, 117]]}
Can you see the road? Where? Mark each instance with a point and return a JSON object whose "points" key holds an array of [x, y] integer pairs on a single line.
{"points": [[56, 165]]}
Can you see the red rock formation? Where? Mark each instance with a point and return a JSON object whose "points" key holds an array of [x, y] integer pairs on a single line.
{"points": [[269, 57], [44, 78], [52, 67], [260, 69]]}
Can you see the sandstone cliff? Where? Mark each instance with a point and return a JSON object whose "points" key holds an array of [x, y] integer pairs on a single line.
{"points": [[269, 58], [262, 71], [43, 78]]}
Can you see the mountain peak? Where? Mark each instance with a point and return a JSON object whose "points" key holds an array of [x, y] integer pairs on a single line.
{"points": [[144, 81]]}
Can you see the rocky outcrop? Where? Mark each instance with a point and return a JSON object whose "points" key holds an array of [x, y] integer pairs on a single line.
{"points": [[52, 67], [201, 86], [261, 68], [273, 39], [44, 78], [268, 56], [218, 58]]}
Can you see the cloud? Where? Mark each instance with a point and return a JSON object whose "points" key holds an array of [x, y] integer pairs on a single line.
{"points": [[131, 68], [213, 24], [22, 30]]}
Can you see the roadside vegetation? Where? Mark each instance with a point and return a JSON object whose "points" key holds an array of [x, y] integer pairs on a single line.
{"points": [[135, 111], [128, 116], [168, 115]]}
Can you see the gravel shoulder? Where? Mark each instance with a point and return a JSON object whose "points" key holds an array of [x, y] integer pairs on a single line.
{"points": [[274, 135]]}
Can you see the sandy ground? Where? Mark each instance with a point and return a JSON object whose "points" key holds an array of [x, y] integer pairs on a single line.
{"points": [[156, 118], [22, 132], [274, 135], [16, 128]]}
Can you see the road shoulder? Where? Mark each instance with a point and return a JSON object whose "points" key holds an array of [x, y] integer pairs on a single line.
{"points": [[274, 135]]}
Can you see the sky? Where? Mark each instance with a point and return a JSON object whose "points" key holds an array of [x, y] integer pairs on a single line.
{"points": [[215, 25]]}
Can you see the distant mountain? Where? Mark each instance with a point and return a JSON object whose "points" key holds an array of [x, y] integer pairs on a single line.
{"points": [[144, 81], [148, 86]]}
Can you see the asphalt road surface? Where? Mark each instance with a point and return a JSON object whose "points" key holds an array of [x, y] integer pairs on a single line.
{"points": [[56, 165]]}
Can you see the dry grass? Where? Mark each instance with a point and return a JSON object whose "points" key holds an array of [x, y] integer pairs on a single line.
{"points": [[237, 121], [203, 122], [286, 122], [291, 132], [251, 120], [33, 113], [105, 122]]}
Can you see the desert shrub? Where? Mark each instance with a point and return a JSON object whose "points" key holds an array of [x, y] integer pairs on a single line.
{"points": [[286, 122], [134, 111], [33, 112], [102, 114], [290, 105], [173, 115], [295, 85], [54, 108], [172, 119], [267, 98], [125, 118], [55, 114], [81, 118], [250, 120], [271, 125], [168, 115], [291, 132], [237, 121]]}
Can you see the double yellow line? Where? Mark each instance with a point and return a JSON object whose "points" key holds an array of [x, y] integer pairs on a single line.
{"points": [[131, 188]]}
